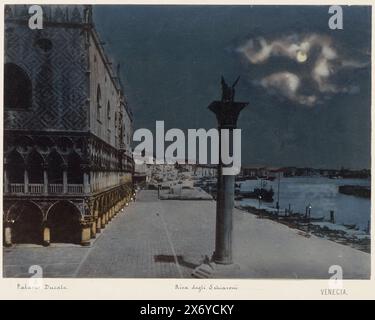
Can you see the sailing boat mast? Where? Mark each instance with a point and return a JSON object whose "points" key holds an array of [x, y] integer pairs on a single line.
{"points": [[278, 193]]}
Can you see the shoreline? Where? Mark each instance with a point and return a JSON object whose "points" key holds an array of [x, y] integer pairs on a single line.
{"points": [[345, 235]]}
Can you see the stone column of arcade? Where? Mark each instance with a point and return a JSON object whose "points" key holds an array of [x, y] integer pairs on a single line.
{"points": [[46, 234], [98, 219], [85, 233], [87, 224], [7, 233], [93, 222]]}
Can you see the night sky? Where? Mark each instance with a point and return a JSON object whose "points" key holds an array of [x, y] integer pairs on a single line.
{"points": [[308, 86]]}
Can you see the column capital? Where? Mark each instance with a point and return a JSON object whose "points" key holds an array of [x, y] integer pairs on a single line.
{"points": [[86, 167], [8, 223]]}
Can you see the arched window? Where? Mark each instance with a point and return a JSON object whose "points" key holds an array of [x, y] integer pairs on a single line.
{"points": [[17, 87], [109, 111], [55, 168], [15, 168], [98, 101], [35, 167]]}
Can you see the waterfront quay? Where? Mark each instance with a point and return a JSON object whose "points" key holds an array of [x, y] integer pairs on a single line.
{"points": [[155, 238]]}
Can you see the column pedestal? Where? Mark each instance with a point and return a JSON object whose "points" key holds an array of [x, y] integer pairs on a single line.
{"points": [[8, 237], [85, 235], [93, 230], [46, 236], [98, 225]]}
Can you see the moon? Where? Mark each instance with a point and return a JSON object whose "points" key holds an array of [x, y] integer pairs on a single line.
{"points": [[301, 56]]}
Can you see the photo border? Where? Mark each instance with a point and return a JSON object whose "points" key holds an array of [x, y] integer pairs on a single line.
{"points": [[140, 289]]}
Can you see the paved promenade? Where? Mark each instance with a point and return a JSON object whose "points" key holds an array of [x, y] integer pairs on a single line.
{"points": [[169, 238]]}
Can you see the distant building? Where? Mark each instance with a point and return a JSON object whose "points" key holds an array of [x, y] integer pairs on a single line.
{"points": [[306, 172], [67, 127], [275, 172], [143, 172], [261, 172], [247, 171], [208, 171]]}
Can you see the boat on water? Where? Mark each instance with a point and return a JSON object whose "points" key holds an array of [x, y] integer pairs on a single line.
{"points": [[263, 194], [350, 226], [245, 178], [301, 218]]}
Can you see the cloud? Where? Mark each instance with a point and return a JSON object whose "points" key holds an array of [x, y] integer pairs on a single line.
{"points": [[322, 57], [259, 50], [288, 85]]}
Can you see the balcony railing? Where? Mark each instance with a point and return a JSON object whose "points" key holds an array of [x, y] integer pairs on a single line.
{"points": [[55, 188], [36, 188], [75, 188], [17, 188]]}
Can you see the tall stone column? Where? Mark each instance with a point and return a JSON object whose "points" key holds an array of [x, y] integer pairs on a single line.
{"points": [[26, 180], [45, 179], [5, 177], [86, 179], [65, 179], [227, 112], [92, 181], [8, 234]]}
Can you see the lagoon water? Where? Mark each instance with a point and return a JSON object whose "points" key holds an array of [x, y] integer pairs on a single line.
{"points": [[321, 193]]}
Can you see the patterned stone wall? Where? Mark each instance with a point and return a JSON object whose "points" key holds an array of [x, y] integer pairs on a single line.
{"points": [[57, 70]]}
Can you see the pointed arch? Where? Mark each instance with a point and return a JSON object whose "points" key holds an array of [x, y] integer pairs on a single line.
{"points": [[24, 143], [35, 167], [15, 167], [64, 144], [55, 168], [44, 143]]}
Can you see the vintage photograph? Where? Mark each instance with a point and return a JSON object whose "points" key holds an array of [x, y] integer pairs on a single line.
{"points": [[187, 141]]}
